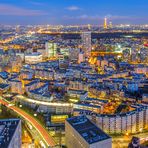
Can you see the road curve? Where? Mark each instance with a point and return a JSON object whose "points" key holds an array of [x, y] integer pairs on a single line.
{"points": [[45, 135]]}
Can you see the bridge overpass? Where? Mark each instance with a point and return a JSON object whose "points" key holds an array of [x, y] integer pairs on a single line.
{"points": [[41, 130]]}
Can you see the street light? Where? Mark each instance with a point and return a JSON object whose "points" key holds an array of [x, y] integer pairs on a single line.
{"points": [[20, 105], [35, 115], [127, 134], [140, 129]]}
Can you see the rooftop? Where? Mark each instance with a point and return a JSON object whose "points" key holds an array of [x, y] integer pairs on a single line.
{"points": [[79, 92], [32, 82], [3, 86], [4, 75], [89, 131], [34, 54], [7, 129]]}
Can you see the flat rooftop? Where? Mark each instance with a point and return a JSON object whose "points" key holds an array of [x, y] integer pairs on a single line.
{"points": [[4, 75], [33, 54], [79, 92], [3, 86], [89, 131], [7, 130]]}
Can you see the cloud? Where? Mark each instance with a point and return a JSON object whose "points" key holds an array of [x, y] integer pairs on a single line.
{"points": [[73, 8], [122, 17], [17, 11], [82, 17], [98, 17]]}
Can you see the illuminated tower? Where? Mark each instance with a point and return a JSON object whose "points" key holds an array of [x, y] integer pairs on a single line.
{"points": [[105, 23]]}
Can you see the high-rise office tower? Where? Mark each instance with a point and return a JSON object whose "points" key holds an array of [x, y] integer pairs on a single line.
{"points": [[144, 55], [89, 26], [110, 25], [74, 54], [81, 57], [126, 54], [105, 23], [134, 54], [86, 41], [50, 50], [17, 29]]}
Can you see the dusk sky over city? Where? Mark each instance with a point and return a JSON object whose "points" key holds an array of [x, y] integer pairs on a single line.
{"points": [[73, 73], [73, 11]]}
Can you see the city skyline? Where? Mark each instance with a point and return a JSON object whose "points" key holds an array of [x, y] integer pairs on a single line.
{"points": [[73, 73], [72, 12]]}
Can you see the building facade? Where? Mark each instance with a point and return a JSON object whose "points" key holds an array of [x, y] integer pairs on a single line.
{"points": [[50, 49], [130, 122], [33, 58]]}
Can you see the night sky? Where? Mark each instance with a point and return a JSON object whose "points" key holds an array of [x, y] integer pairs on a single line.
{"points": [[72, 12]]}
